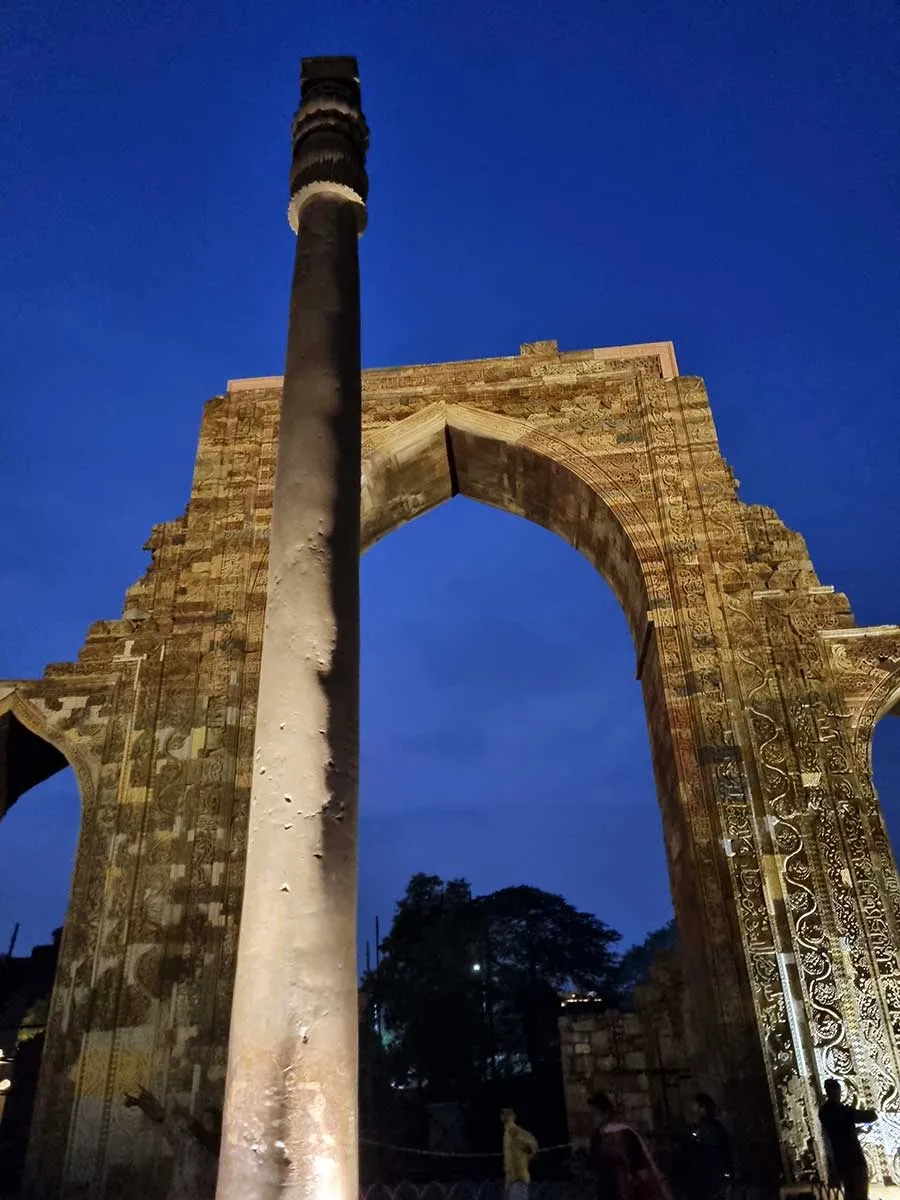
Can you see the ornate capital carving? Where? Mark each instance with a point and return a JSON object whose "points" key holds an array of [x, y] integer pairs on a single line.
{"points": [[330, 137]]}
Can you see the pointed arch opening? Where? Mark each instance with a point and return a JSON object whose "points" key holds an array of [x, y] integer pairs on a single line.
{"points": [[410, 470], [447, 450], [40, 818]]}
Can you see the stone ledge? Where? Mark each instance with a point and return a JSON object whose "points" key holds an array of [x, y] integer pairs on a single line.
{"points": [[664, 351]]}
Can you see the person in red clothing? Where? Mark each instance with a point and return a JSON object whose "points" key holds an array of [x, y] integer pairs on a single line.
{"points": [[839, 1122], [620, 1161]]}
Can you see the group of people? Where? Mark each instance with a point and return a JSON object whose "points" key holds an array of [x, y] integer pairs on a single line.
{"points": [[624, 1169], [619, 1159]]}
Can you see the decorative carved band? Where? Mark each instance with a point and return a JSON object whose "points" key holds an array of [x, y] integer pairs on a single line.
{"points": [[330, 137]]}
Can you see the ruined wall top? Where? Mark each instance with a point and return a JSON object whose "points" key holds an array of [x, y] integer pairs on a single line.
{"points": [[535, 359]]}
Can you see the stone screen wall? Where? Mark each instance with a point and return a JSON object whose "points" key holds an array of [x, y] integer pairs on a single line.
{"points": [[760, 690]]}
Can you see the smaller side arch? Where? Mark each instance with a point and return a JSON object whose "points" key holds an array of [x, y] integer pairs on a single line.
{"points": [[32, 750], [865, 663], [884, 701]]}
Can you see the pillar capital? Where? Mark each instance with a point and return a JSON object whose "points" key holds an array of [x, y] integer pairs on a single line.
{"points": [[330, 137]]}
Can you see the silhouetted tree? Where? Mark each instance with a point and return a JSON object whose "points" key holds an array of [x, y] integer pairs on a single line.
{"points": [[537, 945], [468, 988], [427, 992], [634, 966]]}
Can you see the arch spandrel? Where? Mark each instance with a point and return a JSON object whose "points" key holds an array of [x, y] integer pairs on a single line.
{"points": [[405, 472]]}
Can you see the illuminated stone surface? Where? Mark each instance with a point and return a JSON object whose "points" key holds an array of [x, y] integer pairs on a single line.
{"points": [[761, 697]]}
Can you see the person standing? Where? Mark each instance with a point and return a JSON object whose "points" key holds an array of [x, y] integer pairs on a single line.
{"points": [[711, 1159], [621, 1163], [194, 1143], [846, 1158], [519, 1148]]}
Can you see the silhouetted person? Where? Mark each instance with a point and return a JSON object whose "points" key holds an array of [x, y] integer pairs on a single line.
{"points": [[839, 1122], [622, 1165], [710, 1154], [519, 1148], [194, 1144]]}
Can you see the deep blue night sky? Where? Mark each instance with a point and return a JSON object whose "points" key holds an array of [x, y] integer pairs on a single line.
{"points": [[725, 176]]}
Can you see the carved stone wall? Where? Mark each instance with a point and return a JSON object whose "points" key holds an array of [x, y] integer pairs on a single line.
{"points": [[760, 694]]}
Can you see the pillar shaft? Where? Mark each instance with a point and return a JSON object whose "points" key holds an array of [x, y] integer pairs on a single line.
{"points": [[290, 1128]]}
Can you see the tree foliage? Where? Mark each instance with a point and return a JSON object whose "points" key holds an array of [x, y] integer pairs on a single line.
{"points": [[634, 965], [468, 987]]}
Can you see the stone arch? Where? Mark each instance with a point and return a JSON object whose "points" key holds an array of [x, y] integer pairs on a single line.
{"points": [[865, 665], [445, 450], [758, 685], [416, 463], [883, 701], [33, 749]]}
